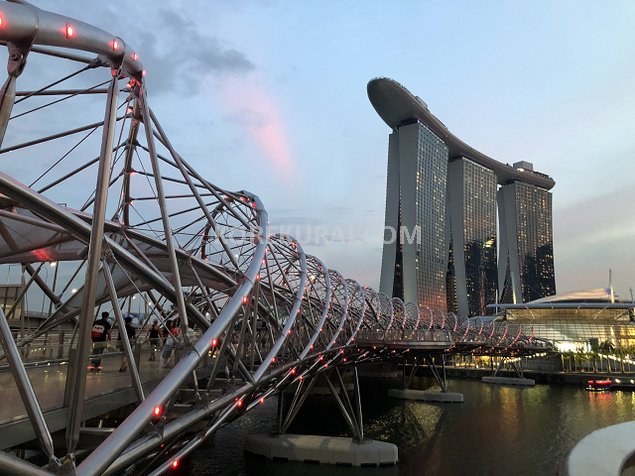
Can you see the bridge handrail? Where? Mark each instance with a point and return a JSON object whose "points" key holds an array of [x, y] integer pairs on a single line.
{"points": [[405, 335]]}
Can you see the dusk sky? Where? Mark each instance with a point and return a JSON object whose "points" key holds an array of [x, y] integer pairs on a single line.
{"points": [[270, 97]]}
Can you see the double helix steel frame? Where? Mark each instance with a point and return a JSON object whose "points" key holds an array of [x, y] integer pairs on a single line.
{"points": [[98, 188]]}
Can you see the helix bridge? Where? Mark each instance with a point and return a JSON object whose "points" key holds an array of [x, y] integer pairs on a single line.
{"points": [[99, 196]]}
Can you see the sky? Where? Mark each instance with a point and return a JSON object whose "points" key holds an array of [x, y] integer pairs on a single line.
{"points": [[270, 96]]}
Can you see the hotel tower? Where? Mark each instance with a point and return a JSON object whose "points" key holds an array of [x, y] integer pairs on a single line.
{"points": [[444, 201]]}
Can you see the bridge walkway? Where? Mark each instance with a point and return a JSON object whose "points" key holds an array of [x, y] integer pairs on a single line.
{"points": [[106, 391]]}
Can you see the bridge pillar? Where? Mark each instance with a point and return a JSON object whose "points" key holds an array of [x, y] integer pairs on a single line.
{"points": [[519, 378], [438, 394], [356, 451]]}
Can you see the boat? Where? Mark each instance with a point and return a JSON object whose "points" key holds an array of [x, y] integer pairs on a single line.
{"points": [[599, 385]]}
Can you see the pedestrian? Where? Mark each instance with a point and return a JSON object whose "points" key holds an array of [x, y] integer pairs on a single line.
{"points": [[173, 332], [154, 338], [100, 335], [130, 334]]}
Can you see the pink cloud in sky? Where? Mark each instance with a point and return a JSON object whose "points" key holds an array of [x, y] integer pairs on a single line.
{"points": [[263, 122]]}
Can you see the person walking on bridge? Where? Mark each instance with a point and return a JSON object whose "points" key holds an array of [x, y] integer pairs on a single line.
{"points": [[154, 336], [173, 332], [100, 335], [130, 335]]}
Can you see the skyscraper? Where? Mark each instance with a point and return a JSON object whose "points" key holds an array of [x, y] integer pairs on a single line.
{"points": [[526, 249], [472, 212], [440, 240], [415, 258]]}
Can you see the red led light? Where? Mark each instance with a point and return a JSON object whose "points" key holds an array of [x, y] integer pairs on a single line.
{"points": [[273, 361], [262, 400], [115, 45], [258, 277], [245, 299], [239, 403], [134, 56], [214, 342], [289, 332], [344, 359], [292, 371], [175, 464], [157, 411], [1, 21], [69, 31]]}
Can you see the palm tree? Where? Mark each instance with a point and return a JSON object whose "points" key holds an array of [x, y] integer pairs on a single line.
{"points": [[607, 348], [621, 353], [578, 357], [593, 354]]}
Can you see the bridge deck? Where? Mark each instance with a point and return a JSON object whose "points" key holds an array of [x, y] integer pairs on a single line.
{"points": [[106, 391]]}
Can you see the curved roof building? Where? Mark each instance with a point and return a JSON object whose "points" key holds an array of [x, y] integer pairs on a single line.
{"points": [[397, 107], [460, 226]]}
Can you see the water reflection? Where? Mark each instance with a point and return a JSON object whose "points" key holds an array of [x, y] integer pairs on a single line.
{"points": [[498, 430]]}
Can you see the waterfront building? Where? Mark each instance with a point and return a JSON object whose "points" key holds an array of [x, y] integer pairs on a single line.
{"points": [[579, 321], [444, 193]]}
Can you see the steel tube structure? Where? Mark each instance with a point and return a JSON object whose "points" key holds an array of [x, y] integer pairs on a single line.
{"points": [[257, 313], [76, 405]]}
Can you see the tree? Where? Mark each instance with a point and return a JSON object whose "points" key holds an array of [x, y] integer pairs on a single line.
{"points": [[607, 348]]}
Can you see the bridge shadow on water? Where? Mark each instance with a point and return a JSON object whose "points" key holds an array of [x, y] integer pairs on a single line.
{"points": [[497, 431], [407, 424]]}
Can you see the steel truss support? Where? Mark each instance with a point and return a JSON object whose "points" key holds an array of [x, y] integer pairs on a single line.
{"points": [[302, 391], [518, 369], [352, 415], [26, 392], [132, 365], [410, 375], [439, 376], [78, 377], [167, 229]]}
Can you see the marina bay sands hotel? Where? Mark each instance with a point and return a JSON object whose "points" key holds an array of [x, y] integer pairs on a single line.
{"points": [[443, 196]]}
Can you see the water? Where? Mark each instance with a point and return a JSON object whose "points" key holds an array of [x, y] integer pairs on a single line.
{"points": [[497, 431]]}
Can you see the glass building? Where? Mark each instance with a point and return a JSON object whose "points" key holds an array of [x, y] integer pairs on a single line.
{"points": [[526, 272], [472, 213], [416, 217], [444, 192]]}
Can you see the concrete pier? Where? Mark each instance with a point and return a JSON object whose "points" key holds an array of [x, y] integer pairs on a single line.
{"points": [[603, 452], [521, 382], [323, 449], [426, 395]]}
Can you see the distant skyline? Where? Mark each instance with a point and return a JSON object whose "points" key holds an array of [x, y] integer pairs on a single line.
{"points": [[270, 96]]}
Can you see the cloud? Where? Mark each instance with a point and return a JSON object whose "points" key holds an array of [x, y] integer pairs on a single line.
{"points": [[181, 56], [592, 236], [174, 50]]}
